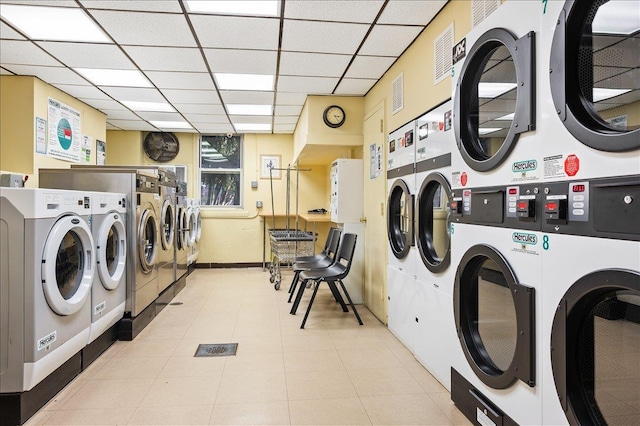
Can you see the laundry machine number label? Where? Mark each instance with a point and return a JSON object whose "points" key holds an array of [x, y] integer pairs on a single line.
{"points": [[545, 242], [483, 419], [47, 340]]}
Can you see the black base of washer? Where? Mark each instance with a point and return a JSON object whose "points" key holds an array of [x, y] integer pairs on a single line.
{"points": [[165, 298], [180, 284], [191, 268], [93, 350], [17, 408], [130, 327]]}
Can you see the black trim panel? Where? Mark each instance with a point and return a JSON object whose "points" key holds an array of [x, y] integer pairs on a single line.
{"points": [[434, 163], [400, 171]]}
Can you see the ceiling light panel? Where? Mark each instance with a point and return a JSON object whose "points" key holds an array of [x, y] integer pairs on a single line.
{"points": [[237, 33], [178, 124], [601, 94], [411, 12], [506, 117], [245, 109], [323, 37], [246, 61], [85, 92], [207, 119], [387, 40], [243, 119], [192, 96], [199, 109], [133, 125], [134, 94], [229, 81], [178, 80], [25, 53], [53, 23], [249, 127], [311, 85], [617, 17], [146, 29], [313, 64], [167, 58], [334, 10], [369, 66], [354, 86], [487, 130], [246, 97], [160, 116], [148, 106], [120, 114], [284, 98], [8, 33], [493, 90], [245, 7], [121, 78], [88, 55], [288, 109], [52, 75], [141, 5]]}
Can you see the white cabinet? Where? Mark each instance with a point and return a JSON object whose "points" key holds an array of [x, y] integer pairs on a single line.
{"points": [[346, 190]]}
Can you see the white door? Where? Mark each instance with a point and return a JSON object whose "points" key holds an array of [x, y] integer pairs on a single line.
{"points": [[111, 251]]}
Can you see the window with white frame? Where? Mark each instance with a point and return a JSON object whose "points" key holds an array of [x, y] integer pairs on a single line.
{"points": [[221, 170]]}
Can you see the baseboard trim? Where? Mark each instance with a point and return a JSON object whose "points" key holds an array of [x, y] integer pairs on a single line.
{"points": [[228, 265]]}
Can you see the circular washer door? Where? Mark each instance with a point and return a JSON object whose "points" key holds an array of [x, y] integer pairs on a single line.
{"points": [[400, 219], [68, 265], [182, 229], [495, 318], [167, 226], [433, 233], [198, 226], [596, 356], [147, 240], [494, 100], [191, 228], [111, 251], [595, 78]]}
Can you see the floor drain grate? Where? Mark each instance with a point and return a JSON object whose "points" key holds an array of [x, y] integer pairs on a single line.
{"points": [[175, 303], [217, 349]]}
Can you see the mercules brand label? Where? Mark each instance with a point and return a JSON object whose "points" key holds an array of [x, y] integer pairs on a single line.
{"points": [[47, 340], [524, 238], [99, 308], [524, 166]]}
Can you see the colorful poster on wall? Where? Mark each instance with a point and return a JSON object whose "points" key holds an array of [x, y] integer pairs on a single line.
{"points": [[41, 135], [64, 132], [101, 153]]}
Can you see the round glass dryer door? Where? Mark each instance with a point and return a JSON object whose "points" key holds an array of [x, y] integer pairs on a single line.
{"points": [[147, 240], [494, 100], [198, 225], [595, 78], [68, 265], [191, 227], [400, 219], [596, 356], [111, 251], [182, 229], [432, 223], [167, 225], [494, 318]]}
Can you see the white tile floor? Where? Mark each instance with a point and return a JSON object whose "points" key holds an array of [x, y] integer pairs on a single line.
{"points": [[332, 372]]}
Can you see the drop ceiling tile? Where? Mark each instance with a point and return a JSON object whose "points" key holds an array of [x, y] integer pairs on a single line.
{"points": [[260, 119], [51, 75], [369, 66], [247, 97], [132, 125], [197, 109], [25, 53], [288, 109], [89, 55], [402, 12], [111, 126], [285, 119], [284, 128], [87, 92], [237, 32], [102, 104], [178, 130], [181, 80], [285, 98], [242, 61], [311, 85], [324, 37], [207, 119], [167, 58], [65, 3], [5, 72], [138, 94], [7, 33], [192, 96], [334, 10], [120, 114], [313, 64], [160, 116], [145, 6], [354, 86], [146, 29], [214, 128], [387, 40]]}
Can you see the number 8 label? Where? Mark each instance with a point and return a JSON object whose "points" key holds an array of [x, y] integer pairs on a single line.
{"points": [[545, 242]]}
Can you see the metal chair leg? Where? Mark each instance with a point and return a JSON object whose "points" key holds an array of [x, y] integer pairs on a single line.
{"points": [[296, 302], [294, 283], [337, 295], [350, 302], [306, 315]]}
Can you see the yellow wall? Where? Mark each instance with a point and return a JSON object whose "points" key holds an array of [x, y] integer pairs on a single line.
{"points": [[22, 99]]}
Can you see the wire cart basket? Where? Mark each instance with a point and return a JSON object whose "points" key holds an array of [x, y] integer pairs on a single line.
{"points": [[286, 245]]}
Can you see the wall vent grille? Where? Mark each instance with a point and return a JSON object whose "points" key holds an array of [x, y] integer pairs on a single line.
{"points": [[397, 94], [443, 53]]}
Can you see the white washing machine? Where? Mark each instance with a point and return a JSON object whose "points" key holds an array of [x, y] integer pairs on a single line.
{"points": [[47, 263], [589, 84], [182, 234], [401, 280], [494, 91], [435, 329], [591, 311], [195, 229], [109, 290]]}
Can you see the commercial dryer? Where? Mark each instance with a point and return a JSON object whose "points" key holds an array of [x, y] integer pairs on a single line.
{"points": [[48, 263], [182, 236], [590, 89], [494, 92], [167, 226]]}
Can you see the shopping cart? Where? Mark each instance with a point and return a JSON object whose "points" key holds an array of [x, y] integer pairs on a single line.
{"points": [[286, 245]]}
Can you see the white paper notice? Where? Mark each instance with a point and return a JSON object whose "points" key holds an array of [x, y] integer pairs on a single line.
{"points": [[41, 135]]}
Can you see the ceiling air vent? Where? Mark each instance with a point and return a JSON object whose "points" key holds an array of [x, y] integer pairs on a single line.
{"points": [[397, 94], [442, 55], [480, 9]]}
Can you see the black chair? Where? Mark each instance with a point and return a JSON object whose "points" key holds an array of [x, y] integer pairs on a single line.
{"points": [[321, 260], [333, 274]]}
